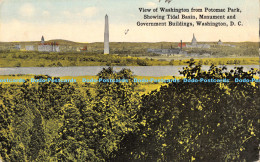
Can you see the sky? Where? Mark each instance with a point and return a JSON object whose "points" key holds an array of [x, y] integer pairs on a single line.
{"points": [[83, 21]]}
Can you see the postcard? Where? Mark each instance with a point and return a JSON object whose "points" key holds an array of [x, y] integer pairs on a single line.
{"points": [[139, 80]]}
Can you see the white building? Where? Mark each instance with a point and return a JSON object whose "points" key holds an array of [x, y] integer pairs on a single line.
{"points": [[166, 52], [48, 47], [194, 44], [29, 48], [222, 44], [219, 42]]}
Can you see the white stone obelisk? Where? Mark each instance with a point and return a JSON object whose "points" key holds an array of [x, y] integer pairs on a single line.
{"points": [[106, 36]]}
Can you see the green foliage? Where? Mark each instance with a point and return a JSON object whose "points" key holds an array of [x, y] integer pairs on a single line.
{"points": [[37, 140], [116, 105], [197, 121], [24, 111], [180, 122], [142, 62], [74, 140], [93, 129], [18, 64], [41, 59]]}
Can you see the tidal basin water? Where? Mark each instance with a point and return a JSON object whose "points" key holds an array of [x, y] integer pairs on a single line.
{"points": [[155, 71]]}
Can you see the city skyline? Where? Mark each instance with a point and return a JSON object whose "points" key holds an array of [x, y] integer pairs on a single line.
{"points": [[83, 21]]}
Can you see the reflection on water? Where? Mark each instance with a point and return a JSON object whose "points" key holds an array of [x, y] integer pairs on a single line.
{"points": [[93, 70]]}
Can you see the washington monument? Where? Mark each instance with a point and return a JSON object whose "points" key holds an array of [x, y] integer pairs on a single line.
{"points": [[106, 36]]}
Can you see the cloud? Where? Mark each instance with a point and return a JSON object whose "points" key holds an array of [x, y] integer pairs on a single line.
{"points": [[31, 31], [67, 14], [45, 13], [90, 11], [151, 4], [87, 12], [27, 10], [16, 30]]}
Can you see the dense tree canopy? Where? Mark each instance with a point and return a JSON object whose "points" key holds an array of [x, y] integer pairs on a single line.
{"points": [[197, 121], [181, 121]]}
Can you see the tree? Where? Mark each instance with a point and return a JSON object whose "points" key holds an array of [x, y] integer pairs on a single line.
{"points": [[116, 105], [93, 128], [197, 121], [73, 141]]}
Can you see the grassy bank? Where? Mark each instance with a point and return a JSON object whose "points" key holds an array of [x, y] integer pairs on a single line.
{"points": [[43, 59]]}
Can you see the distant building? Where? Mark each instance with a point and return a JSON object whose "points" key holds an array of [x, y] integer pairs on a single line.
{"points": [[48, 47], [182, 45], [166, 51], [222, 44], [84, 49], [206, 55], [198, 46], [194, 44], [29, 48], [169, 52], [193, 55], [17, 47], [219, 42], [78, 49], [42, 40], [194, 41]]}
